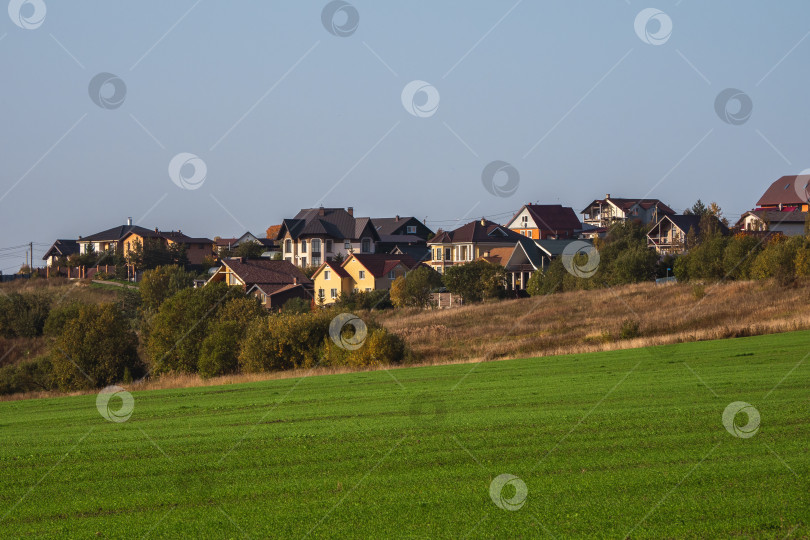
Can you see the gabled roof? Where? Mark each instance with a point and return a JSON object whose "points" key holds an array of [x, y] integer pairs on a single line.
{"points": [[380, 264], [115, 234], [555, 248], [271, 289], [333, 266], [390, 225], [480, 231], [174, 236], [418, 252], [264, 271], [685, 222], [786, 191], [627, 204], [551, 217], [62, 248], [776, 217], [334, 222]]}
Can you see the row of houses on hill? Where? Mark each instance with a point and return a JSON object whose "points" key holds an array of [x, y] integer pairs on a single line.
{"points": [[348, 254]]}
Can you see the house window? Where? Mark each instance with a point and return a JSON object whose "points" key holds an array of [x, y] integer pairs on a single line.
{"points": [[316, 261], [366, 247], [525, 220], [316, 246], [333, 293], [347, 244], [288, 259], [303, 261], [356, 290], [288, 246], [329, 246], [320, 293], [410, 229], [391, 275], [303, 246], [368, 289], [448, 254], [326, 274], [362, 274]]}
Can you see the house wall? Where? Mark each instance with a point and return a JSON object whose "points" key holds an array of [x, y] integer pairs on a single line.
{"points": [[302, 258], [343, 285], [353, 267], [457, 256], [384, 283]]}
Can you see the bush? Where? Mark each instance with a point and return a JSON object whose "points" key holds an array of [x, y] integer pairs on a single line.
{"points": [[163, 282], [296, 305], [629, 330], [36, 375], [362, 300], [475, 281], [95, 349], [59, 317], [23, 315], [415, 288], [219, 350], [380, 347]]}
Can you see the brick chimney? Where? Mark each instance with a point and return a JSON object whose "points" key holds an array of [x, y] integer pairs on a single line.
{"points": [[607, 195], [396, 218], [321, 211], [350, 210]]}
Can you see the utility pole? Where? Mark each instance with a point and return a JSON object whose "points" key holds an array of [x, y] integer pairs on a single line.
{"points": [[31, 262]]}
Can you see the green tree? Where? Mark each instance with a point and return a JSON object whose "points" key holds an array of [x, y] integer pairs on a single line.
{"points": [[95, 349], [475, 281], [164, 281], [181, 324], [698, 209], [23, 314], [249, 250], [415, 288]]}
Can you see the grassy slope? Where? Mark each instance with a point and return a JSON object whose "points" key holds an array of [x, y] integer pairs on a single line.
{"points": [[360, 455]]}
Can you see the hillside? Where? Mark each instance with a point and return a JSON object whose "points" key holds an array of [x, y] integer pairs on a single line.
{"points": [[584, 321], [606, 444]]}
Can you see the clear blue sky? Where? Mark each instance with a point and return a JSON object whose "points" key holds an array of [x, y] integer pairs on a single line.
{"points": [[611, 113]]}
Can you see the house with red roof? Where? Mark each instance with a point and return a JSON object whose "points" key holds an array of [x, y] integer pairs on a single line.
{"points": [[272, 282], [546, 221], [602, 213]]}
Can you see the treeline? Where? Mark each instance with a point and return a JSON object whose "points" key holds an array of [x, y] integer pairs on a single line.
{"points": [[168, 328]]}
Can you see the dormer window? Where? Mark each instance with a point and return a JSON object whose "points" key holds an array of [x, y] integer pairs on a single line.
{"points": [[410, 229]]}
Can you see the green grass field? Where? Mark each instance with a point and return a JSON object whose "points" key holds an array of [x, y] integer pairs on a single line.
{"points": [[607, 444]]}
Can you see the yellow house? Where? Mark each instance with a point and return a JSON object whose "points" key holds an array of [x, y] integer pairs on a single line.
{"points": [[360, 272], [197, 249]]}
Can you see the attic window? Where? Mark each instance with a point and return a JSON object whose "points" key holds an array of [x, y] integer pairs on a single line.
{"points": [[787, 186]]}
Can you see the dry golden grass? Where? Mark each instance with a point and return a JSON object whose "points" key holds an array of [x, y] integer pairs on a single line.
{"points": [[586, 321]]}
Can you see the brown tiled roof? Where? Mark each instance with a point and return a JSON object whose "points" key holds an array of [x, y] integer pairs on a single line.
{"points": [[551, 217], [499, 255], [265, 271], [336, 223], [380, 264], [479, 231], [390, 225], [786, 191]]}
